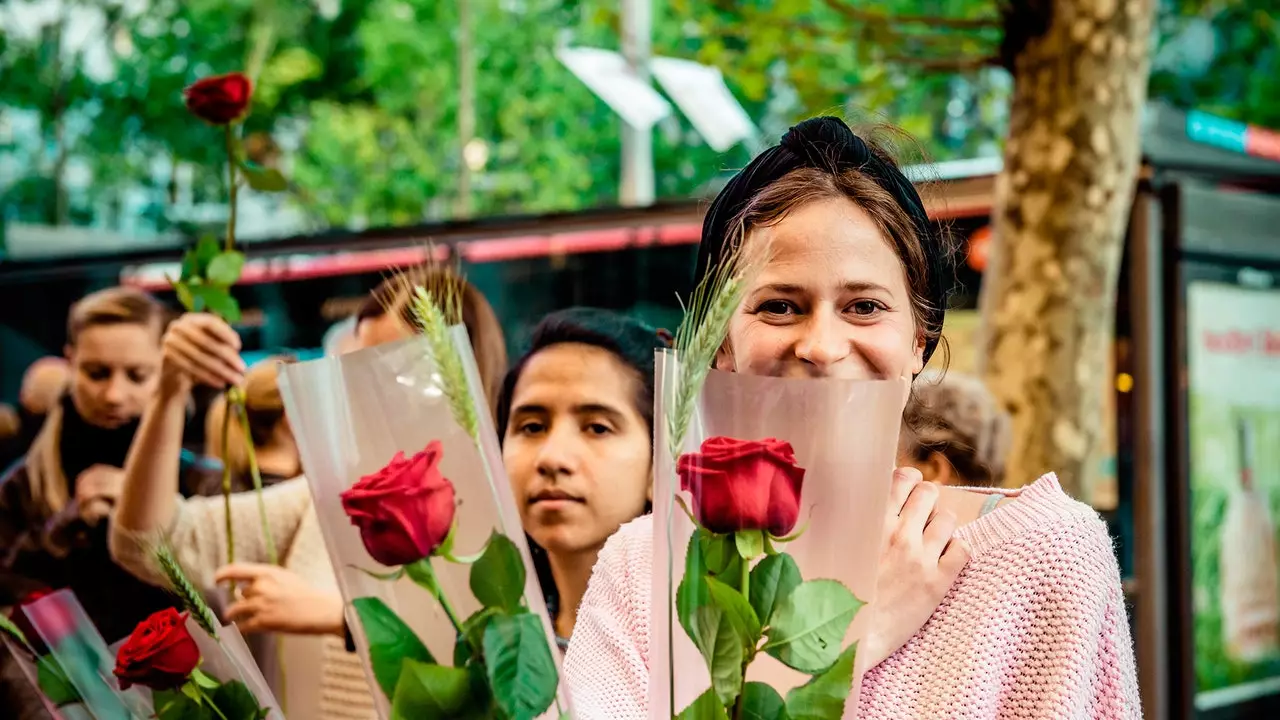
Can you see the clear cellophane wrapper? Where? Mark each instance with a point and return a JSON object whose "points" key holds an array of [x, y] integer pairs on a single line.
{"points": [[350, 415], [26, 664], [79, 650], [845, 436]]}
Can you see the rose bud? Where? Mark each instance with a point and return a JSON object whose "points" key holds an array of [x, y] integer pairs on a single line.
{"points": [[219, 100], [160, 654], [743, 485], [405, 510]]}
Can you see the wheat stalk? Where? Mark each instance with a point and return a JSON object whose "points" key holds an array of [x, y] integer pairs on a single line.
{"points": [[702, 333], [182, 588], [437, 308]]}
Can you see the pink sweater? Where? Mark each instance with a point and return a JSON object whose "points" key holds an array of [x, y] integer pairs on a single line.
{"points": [[1034, 627]]}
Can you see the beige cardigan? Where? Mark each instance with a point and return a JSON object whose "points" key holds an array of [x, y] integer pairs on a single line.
{"points": [[321, 679]]}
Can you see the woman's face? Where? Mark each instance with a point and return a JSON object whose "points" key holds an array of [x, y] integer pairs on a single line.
{"points": [[114, 369], [576, 448], [831, 301]]}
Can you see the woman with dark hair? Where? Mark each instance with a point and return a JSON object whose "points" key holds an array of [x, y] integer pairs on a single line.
{"points": [[853, 284], [575, 418]]}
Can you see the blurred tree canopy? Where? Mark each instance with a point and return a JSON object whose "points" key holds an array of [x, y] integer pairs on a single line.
{"points": [[357, 100]]}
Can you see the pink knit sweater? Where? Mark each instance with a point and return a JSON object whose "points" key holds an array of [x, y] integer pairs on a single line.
{"points": [[1034, 627]]}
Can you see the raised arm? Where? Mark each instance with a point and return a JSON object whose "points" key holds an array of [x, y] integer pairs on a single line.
{"points": [[198, 348]]}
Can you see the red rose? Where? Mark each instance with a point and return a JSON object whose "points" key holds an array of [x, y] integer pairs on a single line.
{"points": [[405, 510], [18, 616], [160, 654], [219, 100], [743, 485]]}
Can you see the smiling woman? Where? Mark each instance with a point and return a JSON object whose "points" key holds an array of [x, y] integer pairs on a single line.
{"points": [[576, 420]]}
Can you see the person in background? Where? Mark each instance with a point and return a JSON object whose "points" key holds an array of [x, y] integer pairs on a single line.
{"points": [[954, 432], [42, 385], [322, 678], [56, 505], [575, 418], [273, 444]]}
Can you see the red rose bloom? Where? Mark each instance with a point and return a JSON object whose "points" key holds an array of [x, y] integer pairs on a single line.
{"points": [[219, 100], [405, 510], [743, 485], [18, 617], [160, 654]]}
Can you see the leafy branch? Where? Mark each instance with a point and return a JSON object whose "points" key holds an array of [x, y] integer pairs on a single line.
{"points": [[861, 15]]}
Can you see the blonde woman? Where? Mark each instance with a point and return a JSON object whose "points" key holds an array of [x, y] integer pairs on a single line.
{"points": [[299, 599], [954, 432]]}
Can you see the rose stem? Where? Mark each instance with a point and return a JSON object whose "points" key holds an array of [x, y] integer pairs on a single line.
{"points": [[231, 187], [444, 601], [257, 478], [746, 595], [226, 485]]}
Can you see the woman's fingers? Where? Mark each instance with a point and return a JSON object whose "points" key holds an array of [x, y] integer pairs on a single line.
{"points": [[938, 533], [904, 479], [918, 509], [204, 360], [243, 610], [954, 558]]}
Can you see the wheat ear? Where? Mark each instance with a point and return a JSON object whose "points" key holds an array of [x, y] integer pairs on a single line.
{"points": [[436, 310], [182, 588]]}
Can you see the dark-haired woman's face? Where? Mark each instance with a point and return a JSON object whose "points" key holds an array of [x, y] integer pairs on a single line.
{"points": [[832, 301], [577, 449]]}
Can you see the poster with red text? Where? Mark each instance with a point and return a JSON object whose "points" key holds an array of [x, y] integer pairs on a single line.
{"points": [[1233, 388]]}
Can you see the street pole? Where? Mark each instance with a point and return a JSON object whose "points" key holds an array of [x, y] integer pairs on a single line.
{"points": [[637, 144]]}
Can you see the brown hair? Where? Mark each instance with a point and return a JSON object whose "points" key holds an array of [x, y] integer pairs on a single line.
{"points": [[957, 416], [264, 407], [487, 341], [115, 306], [805, 185]]}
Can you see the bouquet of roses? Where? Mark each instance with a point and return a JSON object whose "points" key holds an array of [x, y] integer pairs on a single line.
{"points": [[406, 477], [59, 649], [195, 669], [769, 505]]}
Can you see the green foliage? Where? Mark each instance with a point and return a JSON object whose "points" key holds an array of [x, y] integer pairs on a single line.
{"points": [[497, 578], [391, 642], [54, 683], [823, 697], [706, 707], [431, 691], [808, 625], [522, 673]]}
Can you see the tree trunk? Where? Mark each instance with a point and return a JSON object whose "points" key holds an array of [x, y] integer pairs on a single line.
{"points": [[1062, 202]]}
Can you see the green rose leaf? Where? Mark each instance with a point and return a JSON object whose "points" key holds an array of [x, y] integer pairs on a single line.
{"points": [[225, 268], [8, 628], [391, 642], [263, 179], [472, 639], [203, 254], [185, 297], [217, 300], [236, 701], [201, 679], [808, 625], [54, 683], [824, 696], [497, 578], [719, 553], [723, 648], [522, 673], [737, 611], [430, 691], [174, 705], [750, 543], [762, 702], [706, 707], [775, 577], [692, 592]]}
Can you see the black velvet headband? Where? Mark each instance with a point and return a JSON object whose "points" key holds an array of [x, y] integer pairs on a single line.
{"points": [[827, 144]]}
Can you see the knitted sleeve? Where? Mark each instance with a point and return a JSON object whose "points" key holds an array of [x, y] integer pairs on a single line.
{"points": [[607, 666], [198, 533], [1076, 653]]}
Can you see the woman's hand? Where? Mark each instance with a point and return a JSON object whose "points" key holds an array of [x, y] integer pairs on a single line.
{"points": [[97, 491], [200, 348], [272, 599], [920, 563]]}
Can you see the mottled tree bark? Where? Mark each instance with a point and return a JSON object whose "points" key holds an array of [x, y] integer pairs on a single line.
{"points": [[1062, 202]]}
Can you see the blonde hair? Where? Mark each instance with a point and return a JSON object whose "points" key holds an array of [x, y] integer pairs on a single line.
{"points": [[264, 407], [115, 306], [955, 415]]}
